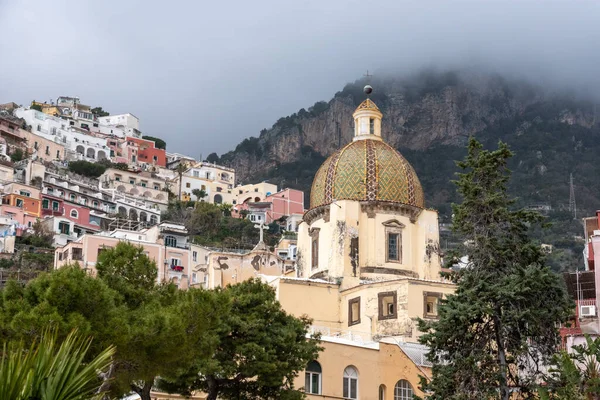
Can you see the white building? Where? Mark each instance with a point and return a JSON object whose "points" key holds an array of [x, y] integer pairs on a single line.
{"points": [[127, 123], [79, 143]]}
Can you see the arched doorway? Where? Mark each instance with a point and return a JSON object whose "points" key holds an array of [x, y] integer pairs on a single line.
{"points": [[133, 215], [90, 153], [80, 149]]}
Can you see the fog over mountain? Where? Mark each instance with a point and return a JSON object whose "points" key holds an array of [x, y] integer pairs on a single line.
{"points": [[205, 75]]}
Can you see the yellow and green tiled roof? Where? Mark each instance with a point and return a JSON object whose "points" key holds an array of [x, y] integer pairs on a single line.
{"points": [[366, 170]]}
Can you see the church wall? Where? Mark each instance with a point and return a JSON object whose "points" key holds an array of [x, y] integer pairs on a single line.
{"points": [[320, 301], [225, 268], [382, 364], [416, 237], [409, 296]]}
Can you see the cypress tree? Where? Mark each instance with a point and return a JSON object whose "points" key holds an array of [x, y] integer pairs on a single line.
{"points": [[496, 334]]}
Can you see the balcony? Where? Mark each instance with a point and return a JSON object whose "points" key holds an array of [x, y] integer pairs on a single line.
{"points": [[53, 212]]}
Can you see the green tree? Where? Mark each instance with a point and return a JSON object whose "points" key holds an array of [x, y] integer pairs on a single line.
{"points": [[260, 350], [575, 375], [63, 300], [35, 107], [199, 193], [127, 270], [52, 371], [170, 332], [213, 158], [500, 324], [180, 170], [226, 209], [17, 155], [158, 143], [41, 236], [86, 168], [99, 112]]}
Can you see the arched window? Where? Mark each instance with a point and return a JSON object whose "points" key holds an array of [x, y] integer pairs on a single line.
{"points": [[74, 214], [403, 390], [312, 378], [381, 392], [218, 199], [350, 383], [170, 241]]}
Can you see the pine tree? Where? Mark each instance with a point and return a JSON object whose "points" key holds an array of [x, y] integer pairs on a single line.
{"points": [[497, 332]]}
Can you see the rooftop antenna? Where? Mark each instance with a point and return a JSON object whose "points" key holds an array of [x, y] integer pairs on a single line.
{"points": [[572, 204]]}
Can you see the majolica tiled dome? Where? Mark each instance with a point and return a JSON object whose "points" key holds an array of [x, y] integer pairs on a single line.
{"points": [[366, 170]]}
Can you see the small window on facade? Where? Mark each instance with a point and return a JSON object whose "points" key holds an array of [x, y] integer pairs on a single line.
{"points": [[47, 150], [219, 189], [403, 390], [187, 184], [354, 311], [45, 204], [350, 383], [132, 181], [381, 392], [74, 214], [430, 304], [95, 204], [256, 189], [312, 378], [55, 205], [72, 197], [314, 249], [393, 237], [387, 305], [57, 153], [372, 126], [170, 241], [156, 187], [24, 193], [19, 203], [194, 256], [393, 247]]}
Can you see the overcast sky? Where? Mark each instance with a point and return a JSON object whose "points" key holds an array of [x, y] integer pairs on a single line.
{"points": [[205, 74]]}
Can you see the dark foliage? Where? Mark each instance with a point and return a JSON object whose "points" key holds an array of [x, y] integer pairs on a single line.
{"points": [[158, 143]]}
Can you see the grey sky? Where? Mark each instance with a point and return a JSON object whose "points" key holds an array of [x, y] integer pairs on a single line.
{"points": [[205, 74]]}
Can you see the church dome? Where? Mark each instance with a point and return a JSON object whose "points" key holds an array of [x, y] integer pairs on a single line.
{"points": [[367, 169]]}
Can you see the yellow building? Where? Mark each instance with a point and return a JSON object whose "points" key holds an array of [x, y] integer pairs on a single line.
{"points": [[50, 109]]}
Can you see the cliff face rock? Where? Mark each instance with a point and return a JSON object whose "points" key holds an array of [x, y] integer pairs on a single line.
{"points": [[421, 111]]}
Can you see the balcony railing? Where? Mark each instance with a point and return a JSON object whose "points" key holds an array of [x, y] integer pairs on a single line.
{"points": [[53, 212], [177, 268], [359, 337]]}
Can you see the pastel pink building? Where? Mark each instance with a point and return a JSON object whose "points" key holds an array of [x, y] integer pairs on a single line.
{"points": [[285, 203], [166, 244]]}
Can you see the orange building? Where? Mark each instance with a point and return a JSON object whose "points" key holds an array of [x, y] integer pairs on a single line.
{"points": [[24, 197], [147, 152]]}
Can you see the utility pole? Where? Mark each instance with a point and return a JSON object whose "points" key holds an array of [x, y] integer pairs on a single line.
{"points": [[572, 204]]}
